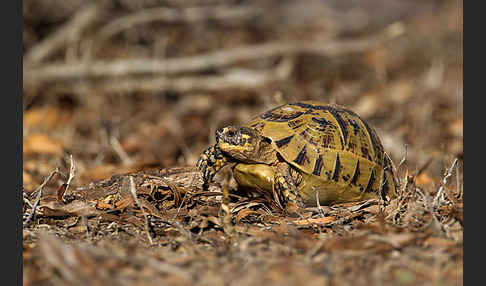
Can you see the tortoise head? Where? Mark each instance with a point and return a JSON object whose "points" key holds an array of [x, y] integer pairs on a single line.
{"points": [[241, 143]]}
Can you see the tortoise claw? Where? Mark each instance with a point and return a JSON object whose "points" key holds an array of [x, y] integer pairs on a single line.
{"points": [[211, 161]]}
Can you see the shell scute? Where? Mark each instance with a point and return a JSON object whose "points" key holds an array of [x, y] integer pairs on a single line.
{"points": [[327, 141]]}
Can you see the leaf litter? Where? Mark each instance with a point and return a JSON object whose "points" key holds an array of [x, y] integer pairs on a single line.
{"points": [[111, 195]]}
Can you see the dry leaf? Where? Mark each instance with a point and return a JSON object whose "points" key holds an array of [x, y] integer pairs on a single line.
{"points": [[397, 240], [105, 171], [456, 127], [79, 208], [28, 182], [46, 117], [437, 241], [423, 180], [367, 105], [103, 206], [400, 92], [78, 229], [123, 203], [60, 193], [214, 220], [309, 221], [41, 144], [26, 178], [375, 56], [244, 213]]}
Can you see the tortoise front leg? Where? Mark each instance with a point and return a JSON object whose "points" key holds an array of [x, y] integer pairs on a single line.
{"points": [[286, 188], [211, 161]]}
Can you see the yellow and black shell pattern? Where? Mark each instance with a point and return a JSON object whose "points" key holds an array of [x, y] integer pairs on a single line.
{"points": [[331, 143]]}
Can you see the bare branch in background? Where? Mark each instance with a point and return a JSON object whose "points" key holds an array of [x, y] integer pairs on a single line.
{"points": [[60, 38], [187, 15], [218, 59], [229, 79]]}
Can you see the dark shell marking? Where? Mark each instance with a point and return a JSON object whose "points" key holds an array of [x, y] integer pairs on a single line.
{"points": [[284, 141], [269, 116], [354, 180], [337, 169], [328, 141], [302, 157], [318, 166]]}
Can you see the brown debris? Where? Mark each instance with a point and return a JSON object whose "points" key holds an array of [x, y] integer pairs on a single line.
{"points": [[41, 144], [135, 90]]}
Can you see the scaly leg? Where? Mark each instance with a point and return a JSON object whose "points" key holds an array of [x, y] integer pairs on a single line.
{"points": [[286, 188], [211, 161]]}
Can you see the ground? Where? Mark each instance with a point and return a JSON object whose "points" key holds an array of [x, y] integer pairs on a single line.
{"points": [[121, 97]]}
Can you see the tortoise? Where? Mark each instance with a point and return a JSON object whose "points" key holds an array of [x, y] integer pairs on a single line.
{"points": [[304, 152]]}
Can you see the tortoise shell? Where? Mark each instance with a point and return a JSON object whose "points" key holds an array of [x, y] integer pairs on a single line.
{"points": [[329, 142]]}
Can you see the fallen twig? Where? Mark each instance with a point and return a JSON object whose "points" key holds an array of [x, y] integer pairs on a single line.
{"points": [[404, 159], [39, 194], [319, 207], [133, 191], [458, 183], [440, 193], [115, 144], [404, 196], [310, 221], [64, 187]]}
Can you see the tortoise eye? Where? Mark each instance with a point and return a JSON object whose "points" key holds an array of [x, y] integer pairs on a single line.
{"points": [[231, 133]]}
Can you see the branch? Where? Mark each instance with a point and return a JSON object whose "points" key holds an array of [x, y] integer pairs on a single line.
{"points": [[66, 33], [193, 14], [229, 79], [38, 191], [439, 194], [63, 71]]}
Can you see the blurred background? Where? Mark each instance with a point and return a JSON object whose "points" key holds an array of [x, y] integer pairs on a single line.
{"points": [[125, 85]]}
